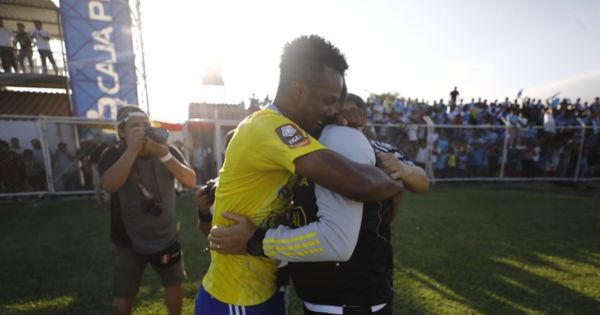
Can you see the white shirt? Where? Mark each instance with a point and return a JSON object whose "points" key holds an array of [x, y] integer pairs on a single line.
{"points": [[5, 37], [336, 232], [412, 132], [549, 124], [422, 155], [42, 43], [199, 155]]}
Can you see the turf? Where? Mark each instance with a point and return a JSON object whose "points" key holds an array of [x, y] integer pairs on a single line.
{"points": [[460, 249]]}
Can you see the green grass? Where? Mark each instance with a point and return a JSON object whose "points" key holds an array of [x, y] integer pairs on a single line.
{"points": [[460, 249]]}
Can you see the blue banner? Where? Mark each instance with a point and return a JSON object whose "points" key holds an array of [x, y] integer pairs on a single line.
{"points": [[100, 57]]}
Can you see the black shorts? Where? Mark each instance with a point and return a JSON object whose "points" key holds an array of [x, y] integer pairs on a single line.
{"points": [[129, 268]]}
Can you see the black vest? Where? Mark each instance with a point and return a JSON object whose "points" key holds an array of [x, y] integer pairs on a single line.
{"points": [[365, 279]]}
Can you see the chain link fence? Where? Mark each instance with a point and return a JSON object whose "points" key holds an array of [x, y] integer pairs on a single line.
{"points": [[44, 155]]}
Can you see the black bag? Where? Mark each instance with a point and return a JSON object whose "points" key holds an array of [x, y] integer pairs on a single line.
{"points": [[166, 257]]}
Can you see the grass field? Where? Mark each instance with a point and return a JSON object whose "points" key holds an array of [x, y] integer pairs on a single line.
{"points": [[460, 249]]}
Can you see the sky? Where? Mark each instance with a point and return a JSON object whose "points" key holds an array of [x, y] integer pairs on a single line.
{"points": [[416, 48]]}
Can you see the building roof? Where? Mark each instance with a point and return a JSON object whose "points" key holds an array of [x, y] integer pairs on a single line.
{"points": [[34, 104], [224, 111], [49, 81]]}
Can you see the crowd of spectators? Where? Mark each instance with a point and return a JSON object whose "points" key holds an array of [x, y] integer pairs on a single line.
{"points": [[24, 170], [545, 139], [544, 136]]}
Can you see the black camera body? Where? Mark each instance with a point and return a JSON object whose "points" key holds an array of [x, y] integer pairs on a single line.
{"points": [[210, 189], [152, 206], [160, 135]]}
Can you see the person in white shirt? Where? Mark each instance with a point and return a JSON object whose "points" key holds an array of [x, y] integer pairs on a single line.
{"points": [[42, 39], [6, 49], [200, 162]]}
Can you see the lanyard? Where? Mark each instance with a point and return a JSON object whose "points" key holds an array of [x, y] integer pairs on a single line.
{"points": [[140, 181]]}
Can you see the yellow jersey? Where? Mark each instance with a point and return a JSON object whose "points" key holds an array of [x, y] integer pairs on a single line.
{"points": [[256, 181]]}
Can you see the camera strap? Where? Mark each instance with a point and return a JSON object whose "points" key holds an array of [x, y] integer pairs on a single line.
{"points": [[140, 181]]}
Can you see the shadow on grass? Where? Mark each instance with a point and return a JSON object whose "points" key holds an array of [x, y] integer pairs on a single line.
{"points": [[500, 253]]}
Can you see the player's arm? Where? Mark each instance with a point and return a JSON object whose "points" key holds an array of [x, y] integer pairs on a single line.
{"points": [[332, 238], [334, 235], [413, 177], [357, 181]]}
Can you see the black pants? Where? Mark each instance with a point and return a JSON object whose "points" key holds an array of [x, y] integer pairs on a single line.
{"points": [[387, 310], [47, 54], [8, 59]]}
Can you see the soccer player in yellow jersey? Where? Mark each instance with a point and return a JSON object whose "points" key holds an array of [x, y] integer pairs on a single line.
{"points": [[268, 149]]}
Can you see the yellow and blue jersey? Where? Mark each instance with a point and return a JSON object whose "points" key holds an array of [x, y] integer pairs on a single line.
{"points": [[256, 181]]}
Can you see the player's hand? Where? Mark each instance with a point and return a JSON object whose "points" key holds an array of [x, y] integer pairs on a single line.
{"points": [[201, 200], [233, 239], [136, 139], [157, 149], [351, 117], [388, 163]]}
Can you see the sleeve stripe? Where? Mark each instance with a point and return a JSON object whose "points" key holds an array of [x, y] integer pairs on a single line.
{"points": [[292, 247], [290, 240], [303, 253]]}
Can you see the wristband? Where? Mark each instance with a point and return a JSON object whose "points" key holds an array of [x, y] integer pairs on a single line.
{"points": [[205, 217], [254, 246], [167, 157]]}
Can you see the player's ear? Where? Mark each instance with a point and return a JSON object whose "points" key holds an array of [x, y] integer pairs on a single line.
{"points": [[297, 89]]}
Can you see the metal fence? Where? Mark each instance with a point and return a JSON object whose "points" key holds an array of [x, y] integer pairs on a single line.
{"points": [[51, 155], [60, 155]]}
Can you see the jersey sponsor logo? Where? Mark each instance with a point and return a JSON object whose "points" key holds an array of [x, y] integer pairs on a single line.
{"points": [[292, 136]]}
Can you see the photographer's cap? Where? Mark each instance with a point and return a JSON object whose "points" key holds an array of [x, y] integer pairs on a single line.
{"points": [[127, 112]]}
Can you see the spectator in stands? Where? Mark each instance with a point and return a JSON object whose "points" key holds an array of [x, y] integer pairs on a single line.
{"points": [[451, 163], [4, 153], [422, 155], [25, 47], [462, 159], [595, 107], [477, 161], [440, 163], [42, 40], [12, 173], [38, 153], [453, 95], [200, 157], [34, 172], [96, 150], [7, 54], [15, 146], [65, 168]]}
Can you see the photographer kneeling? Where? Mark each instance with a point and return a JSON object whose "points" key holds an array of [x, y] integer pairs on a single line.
{"points": [[139, 172]]}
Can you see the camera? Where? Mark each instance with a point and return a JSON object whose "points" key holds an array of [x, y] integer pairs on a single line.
{"points": [[152, 207], [157, 134], [210, 189]]}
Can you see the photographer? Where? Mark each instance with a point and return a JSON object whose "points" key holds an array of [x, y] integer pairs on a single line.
{"points": [[139, 172]]}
